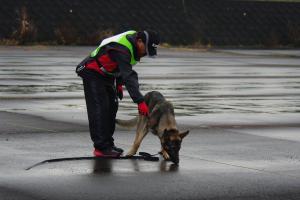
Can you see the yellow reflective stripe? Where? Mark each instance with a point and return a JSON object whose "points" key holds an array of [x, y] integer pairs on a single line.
{"points": [[122, 39]]}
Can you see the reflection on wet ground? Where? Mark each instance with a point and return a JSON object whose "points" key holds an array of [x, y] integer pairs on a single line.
{"points": [[196, 82], [111, 166], [102, 166]]}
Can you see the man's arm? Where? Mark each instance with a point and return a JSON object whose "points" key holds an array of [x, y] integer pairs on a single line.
{"points": [[128, 75]]}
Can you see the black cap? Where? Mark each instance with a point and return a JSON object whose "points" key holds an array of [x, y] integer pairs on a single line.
{"points": [[151, 41]]}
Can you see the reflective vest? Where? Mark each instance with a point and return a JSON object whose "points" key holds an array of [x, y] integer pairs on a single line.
{"points": [[120, 39]]}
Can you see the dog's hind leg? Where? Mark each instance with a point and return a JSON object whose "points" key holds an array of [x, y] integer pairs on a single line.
{"points": [[141, 132]]}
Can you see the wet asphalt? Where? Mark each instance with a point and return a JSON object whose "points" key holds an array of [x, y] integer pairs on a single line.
{"points": [[241, 106]]}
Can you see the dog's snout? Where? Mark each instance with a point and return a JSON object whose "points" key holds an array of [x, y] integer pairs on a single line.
{"points": [[174, 156], [175, 159]]}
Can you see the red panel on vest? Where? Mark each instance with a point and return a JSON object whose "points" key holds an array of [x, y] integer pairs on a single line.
{"points": [[105, 61], [94, 66]]}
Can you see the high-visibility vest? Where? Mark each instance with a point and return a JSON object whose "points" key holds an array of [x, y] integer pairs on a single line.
{"points": [[120, 39]]}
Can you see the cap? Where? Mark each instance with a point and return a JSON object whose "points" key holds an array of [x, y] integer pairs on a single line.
{"points": [[151, 42]]}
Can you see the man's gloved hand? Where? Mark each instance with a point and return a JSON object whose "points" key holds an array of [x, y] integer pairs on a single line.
{"points": [[143, 109], [120, 91]]}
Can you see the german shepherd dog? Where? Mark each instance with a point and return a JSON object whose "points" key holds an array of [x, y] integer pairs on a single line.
{"points": [[161, 122]]}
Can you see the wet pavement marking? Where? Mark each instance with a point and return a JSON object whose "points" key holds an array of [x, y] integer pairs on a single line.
{"points": [[33, 127], [244, 167]]}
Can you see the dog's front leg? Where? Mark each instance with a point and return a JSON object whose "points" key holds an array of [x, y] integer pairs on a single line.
{"points": [[165, 154], [141, 132]]}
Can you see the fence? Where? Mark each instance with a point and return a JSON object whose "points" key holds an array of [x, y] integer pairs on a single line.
{"points": [[180, 22]]}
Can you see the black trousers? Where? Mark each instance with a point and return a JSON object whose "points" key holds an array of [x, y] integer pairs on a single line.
{"points": [[102, 107]]}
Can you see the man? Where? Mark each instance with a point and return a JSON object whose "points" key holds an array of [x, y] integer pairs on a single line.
{"points": [[104, 72]]}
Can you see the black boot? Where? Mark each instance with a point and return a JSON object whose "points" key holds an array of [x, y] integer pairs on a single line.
{"points": [[120, 150]]}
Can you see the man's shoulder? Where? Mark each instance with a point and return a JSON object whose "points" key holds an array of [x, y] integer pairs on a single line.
{"points": [[116, 47], [118, 52]]}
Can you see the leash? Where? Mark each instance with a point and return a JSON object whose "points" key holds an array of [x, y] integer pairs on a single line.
{"points": [[148, 155], [142, 156]]}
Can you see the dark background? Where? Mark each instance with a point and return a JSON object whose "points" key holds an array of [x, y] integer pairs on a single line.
{"points": [[180, 22]]}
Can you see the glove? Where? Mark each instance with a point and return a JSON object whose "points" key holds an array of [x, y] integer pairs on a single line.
{"points": [[143, 109], [120, 91]]}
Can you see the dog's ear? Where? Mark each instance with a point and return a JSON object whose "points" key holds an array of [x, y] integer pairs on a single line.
{"points": [[182, 135]]}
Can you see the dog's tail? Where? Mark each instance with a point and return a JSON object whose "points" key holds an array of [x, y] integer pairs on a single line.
{"points": [[127, 123]]}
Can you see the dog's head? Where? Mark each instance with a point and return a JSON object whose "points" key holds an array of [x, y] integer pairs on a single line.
{"points": [[171, 143]]}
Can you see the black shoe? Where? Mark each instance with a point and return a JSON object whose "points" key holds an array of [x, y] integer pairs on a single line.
{"points": [[117, 149]]}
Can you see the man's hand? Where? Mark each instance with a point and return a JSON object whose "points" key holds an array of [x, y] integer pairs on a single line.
{"points": [[143, 109], [120, 91]]}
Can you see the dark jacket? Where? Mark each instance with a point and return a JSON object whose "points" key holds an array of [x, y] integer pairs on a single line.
{"points": [[119, 61]]}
